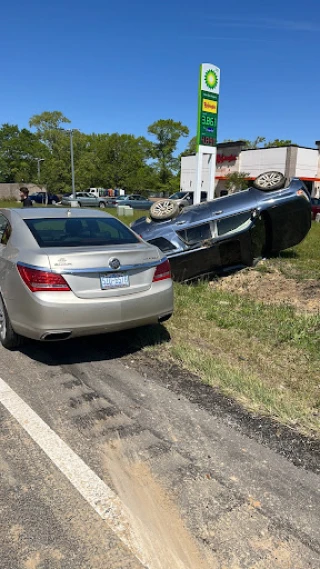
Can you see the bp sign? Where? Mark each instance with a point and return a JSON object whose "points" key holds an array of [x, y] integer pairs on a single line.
{"points": [[208, 104]]}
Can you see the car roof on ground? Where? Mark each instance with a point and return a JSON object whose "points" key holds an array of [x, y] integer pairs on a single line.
{"points": [[55, 212]]}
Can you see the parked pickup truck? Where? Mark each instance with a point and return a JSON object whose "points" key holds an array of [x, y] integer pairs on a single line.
{"points": [[97, 192]]}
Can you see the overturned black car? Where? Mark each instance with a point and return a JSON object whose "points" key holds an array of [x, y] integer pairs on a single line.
{"points": [[230, 232]]}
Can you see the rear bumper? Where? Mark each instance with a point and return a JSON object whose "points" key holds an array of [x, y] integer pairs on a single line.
{"points": [[43, 314]]}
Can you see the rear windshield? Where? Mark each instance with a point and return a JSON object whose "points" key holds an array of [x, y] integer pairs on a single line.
{"points": [[80, 232]]}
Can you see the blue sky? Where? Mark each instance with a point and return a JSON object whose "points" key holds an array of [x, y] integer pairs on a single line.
{"points": [[118, 66]]}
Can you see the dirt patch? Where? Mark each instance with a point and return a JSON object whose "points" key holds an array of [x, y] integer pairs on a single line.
{"points": [[16, 532], [273, 287], [155, 521], [33, 561], [38, 558]]}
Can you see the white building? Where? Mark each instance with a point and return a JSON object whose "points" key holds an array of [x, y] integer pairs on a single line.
{"points": [[292, 161]]}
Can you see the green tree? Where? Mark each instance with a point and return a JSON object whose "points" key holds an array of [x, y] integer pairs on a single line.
{"points": [[114, 160], [107, 160], [167, 133], [19, 150], [191, 147], [121, 157], [277, 142], [256, 143], [249, 144], [56, 170], [236, 182], [100, 160], [47, 124], [260, 142]]}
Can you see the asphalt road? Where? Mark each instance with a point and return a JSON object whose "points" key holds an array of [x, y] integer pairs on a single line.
{"points": [[104, 467]]}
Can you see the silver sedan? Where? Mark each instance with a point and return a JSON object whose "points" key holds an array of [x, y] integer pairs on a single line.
{"points": [[67, 273]]}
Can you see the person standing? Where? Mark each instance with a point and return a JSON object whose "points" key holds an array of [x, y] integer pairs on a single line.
{"points": [[24, 198]]}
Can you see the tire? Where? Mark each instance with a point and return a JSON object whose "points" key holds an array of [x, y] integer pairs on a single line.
{"points": [[102, 205], [163, 210], [8, 338], [269, 181], [79, 204]]}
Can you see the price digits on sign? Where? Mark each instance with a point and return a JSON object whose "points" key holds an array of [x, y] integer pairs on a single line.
{"points": [[208, 141], [207, 120]]}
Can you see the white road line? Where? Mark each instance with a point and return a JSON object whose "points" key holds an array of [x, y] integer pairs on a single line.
{"points": [[98, 494]]}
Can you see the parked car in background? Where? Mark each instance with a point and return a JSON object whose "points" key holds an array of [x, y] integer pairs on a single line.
{"points": [[136, 201], [230, 232], [71, 272], [44, 197], [315, 207], [162, 208], [85, 199], [184, 199]]}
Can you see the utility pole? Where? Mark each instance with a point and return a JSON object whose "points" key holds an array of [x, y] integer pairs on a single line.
{"points": [[72, 167], [39, 160], [71, 131]]}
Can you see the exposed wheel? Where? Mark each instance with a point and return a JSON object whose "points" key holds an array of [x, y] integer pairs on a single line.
{"points": [[102, 205], [269, 181], [79, 204], [8, 338], [163, 210]]}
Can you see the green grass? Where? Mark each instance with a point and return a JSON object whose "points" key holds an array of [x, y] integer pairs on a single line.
{"points": [[266, 357], [303, 261], [137, 213], [10, 203], [271, 324]]}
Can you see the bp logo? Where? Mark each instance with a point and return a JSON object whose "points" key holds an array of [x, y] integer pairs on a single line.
{"points": [[211, 79]]}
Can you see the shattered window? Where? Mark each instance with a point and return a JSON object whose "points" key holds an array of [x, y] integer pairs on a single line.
{"points": [[196, 234], [236, 222]]}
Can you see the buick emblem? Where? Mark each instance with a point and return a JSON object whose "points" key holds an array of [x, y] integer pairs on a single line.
{"points": [[114, 263]]}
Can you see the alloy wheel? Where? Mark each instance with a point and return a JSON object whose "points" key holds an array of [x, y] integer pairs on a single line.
{"points": [[270, 179], [163, 208]]}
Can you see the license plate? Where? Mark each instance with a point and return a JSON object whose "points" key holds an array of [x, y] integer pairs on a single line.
{"points": [[114, 280]]}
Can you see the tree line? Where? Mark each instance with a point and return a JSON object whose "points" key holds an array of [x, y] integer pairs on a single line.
{"points": [[101, 160]]}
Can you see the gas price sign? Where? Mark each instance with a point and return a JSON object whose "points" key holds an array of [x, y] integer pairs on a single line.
{"points": [[208, 103]]}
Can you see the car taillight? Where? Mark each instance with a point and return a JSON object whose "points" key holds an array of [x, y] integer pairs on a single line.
{"points": [[162, 271], [303, 194], [38, 280]]}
